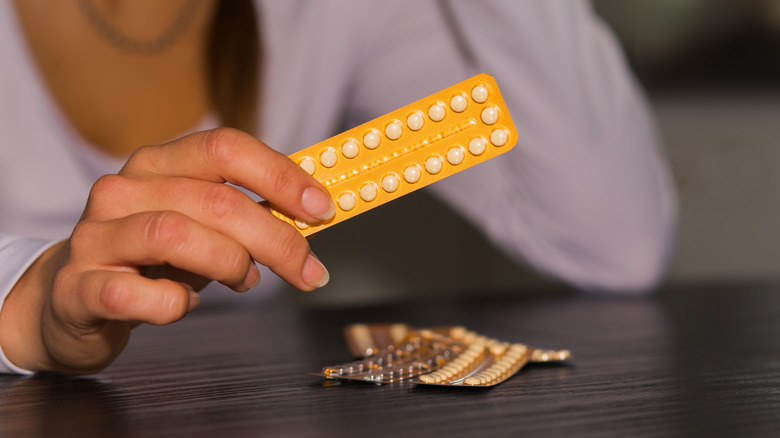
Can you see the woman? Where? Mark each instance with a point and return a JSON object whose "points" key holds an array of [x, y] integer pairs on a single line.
{"points": [[584, 197]]}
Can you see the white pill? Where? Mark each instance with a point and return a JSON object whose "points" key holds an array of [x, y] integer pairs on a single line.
{"points": [[412, 174], [415, 121], [393, 131], [479, 94], [372, 139], [477, 146], [497, 349], [489, 115], [427, 378], [458, 332], [301, 224], [448, 373], [499, 137], [390, 183], [329, 158], [436, 112], [347, 201], [460, 363], [519, 348], [308, 165], [368, 192], [433, 165], [350, 149], [455, 156], [458, 103]]}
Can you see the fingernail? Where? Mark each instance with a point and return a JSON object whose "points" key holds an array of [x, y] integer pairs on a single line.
{"points": [[314, 272], [318, 204], [194, 300], [252, 277]]}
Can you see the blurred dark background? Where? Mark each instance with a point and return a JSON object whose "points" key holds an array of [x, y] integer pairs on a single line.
{"points": [[707, 46], [711, 69]]}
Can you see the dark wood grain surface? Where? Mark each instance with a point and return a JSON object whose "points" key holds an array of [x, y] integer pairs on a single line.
{"points": [[690, 362]]}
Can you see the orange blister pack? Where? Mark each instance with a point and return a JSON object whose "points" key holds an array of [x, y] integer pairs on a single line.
{"points": [[408, 149]]}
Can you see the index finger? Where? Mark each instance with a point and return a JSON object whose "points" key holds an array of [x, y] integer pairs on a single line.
{"points": [[228, 155]]}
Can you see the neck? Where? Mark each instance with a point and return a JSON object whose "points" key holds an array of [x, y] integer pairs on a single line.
{"points": [[129, 27], [115, 99]]}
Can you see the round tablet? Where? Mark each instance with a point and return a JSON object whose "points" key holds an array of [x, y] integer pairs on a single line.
{"points": [[479, 94], [477, 146], [390, 183], [458, 103], [347, 201], [497, 349], [447, 372], [489, 115], [412, 174], [436, 112], [433, 165], [455, 156], [393, 131], [308, 165], [518, 348], [460, 363], [426, 378], [415, 121], [471, 381], [499, 137], [368, 192], [329, 158], [301, 224], [350, 149], [371, 140]]}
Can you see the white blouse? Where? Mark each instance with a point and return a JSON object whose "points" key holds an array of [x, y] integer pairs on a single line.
{"points": [[584, 197]]}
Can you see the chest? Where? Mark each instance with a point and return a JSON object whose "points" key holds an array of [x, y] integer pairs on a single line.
{"points": [[115, 99]]}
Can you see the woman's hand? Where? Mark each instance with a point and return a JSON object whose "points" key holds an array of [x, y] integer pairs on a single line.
{"points": [[153, 234]]}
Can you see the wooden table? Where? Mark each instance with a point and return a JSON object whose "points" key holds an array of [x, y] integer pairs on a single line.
{"points": [[687, 362]]}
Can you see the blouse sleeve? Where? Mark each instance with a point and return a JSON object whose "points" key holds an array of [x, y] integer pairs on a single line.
{"points": [[16, 255], [585, 196]]}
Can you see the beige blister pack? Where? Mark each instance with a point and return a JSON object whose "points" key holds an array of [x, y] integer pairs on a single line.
{"points": [[408, 149], [440, 356]]}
